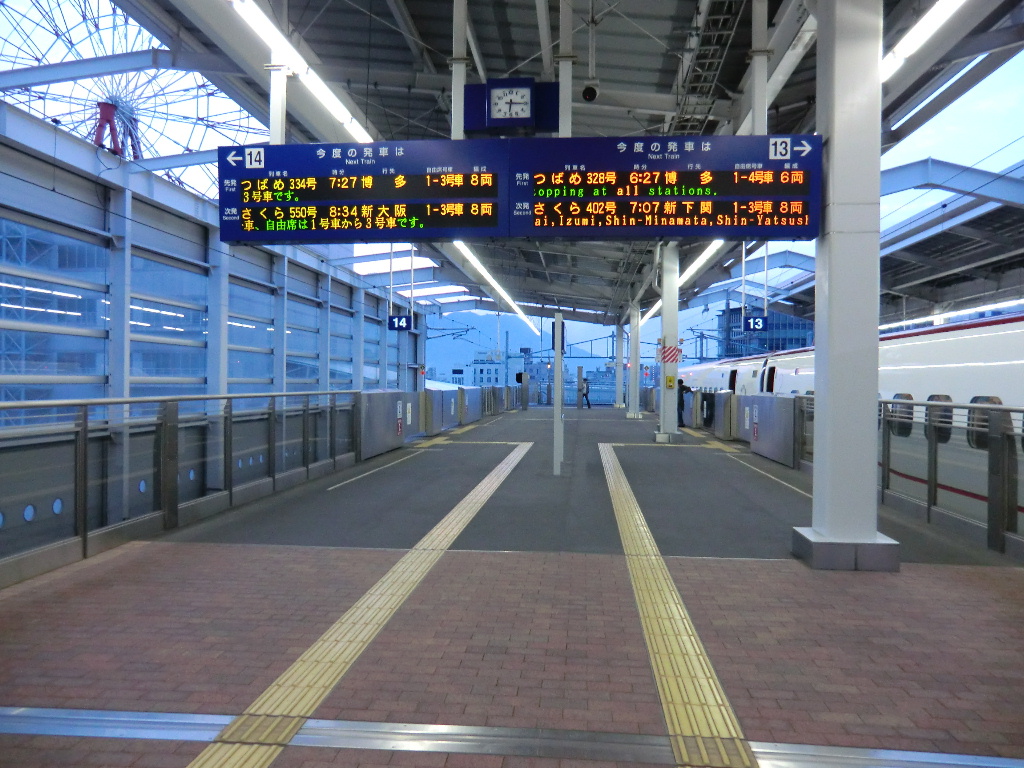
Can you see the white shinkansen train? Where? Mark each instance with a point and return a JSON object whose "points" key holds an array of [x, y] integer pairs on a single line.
{"points": [[980, 361]]}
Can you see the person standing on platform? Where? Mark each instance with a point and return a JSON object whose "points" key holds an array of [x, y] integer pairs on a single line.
{"points": [[586, 391]]}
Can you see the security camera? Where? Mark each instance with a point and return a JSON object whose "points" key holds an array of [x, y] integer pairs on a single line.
{"points": [[590, 90]]}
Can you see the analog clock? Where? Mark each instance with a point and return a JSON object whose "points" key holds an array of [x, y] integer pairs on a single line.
{"points": [[510, 102]]}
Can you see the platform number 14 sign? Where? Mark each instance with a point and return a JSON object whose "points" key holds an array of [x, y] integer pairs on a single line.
{"points": [[399, 322]]}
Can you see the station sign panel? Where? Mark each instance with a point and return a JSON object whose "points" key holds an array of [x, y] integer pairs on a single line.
{"points": [[766, 187], [378, 192]]}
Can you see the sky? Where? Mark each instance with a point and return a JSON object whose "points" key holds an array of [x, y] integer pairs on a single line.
{"points": [[956, 135]]}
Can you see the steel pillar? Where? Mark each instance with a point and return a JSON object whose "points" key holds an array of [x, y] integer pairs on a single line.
{"points": [[670, 338], [619, 360], [633, 393], [844, 525]]}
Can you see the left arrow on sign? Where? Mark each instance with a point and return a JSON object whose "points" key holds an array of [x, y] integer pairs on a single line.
{"points": [[233, 158]]}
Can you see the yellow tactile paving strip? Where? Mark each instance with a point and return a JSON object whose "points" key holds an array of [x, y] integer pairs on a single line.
{"points": [[256, 738], [702, 726]]}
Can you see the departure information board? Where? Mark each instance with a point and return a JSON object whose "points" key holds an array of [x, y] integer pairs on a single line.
{"points": [[380, 192], [765, 187], [667, 187]]}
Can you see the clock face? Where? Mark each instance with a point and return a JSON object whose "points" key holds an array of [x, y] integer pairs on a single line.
{"points": [[510, 103]]}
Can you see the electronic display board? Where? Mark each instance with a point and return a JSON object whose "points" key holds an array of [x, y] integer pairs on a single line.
{"points": [[766, 187], [666, 187], [379, 192]]}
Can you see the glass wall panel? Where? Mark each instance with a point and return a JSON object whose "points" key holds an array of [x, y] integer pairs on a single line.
{"points": [[250, 333], [157, 278], [341, 347], [149, 359], [38, 301], [151, 317], [302, 341], [24, 353], [301, 313], [250, 301], [341, 324], [38, 249], [250, 365], [304, 368]]}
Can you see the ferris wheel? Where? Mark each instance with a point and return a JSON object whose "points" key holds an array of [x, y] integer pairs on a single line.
{"points": [[139, 114]]}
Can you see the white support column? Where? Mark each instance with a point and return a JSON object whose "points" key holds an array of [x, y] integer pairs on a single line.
{"points": [[565, 62], [358, 337], [280, 369], [557, 396], [670, 338], [219, 258], [633, 391], [759, 67], [844, 524], [119, 351], [459, 63], [619, 361], [279, 74], [323, 348]]}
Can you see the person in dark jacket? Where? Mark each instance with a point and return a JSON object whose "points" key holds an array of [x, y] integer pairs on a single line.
{"points": [[586, 391]]}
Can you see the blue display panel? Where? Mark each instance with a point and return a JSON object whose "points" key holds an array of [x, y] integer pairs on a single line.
{"points": [[666, 187], [380, 192]]}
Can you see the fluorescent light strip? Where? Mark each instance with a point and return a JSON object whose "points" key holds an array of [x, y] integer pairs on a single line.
{"points": [[918, 35], [283, 52], [947, 315], [650, 313], [471, 257], [691, 270]]}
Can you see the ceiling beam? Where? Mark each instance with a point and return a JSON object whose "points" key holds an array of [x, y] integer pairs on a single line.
{"points": [[115, 64]]}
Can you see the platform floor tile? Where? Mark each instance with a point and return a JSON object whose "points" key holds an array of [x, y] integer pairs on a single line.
{"points": [[924, 660], [523, 640]]}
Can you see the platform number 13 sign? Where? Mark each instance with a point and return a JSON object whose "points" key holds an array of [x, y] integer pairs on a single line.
{"points": [[778, 148]]}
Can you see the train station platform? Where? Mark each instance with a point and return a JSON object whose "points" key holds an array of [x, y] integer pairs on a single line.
{"points": [[453, 604]]}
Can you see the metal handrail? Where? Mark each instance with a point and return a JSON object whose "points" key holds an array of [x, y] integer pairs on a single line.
{"points": [[14, 404]]}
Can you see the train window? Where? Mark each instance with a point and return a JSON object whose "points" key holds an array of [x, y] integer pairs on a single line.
{"points": [[732, 380], [939, 422], [770, 387], [901, 417], [977, 422]]}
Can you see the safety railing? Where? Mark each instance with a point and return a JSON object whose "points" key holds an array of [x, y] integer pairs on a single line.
{"points": [[83, 468], [958, 462]]}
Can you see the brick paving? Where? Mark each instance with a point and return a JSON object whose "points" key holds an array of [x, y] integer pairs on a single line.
{"points": [[173, 628], [80, 752], [524, 640], [318, 757], [929, 659]]}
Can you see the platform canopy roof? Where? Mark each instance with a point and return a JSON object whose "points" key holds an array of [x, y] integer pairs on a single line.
{"points": [[663, 67]]}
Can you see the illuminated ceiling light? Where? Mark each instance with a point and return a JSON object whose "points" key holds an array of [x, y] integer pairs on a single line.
{"points": [[453, 299], [650, 313], [471, 257], [436, 290], [692, 270], [283, 52], [704, 258], [918, 35], [940, 318], [400, 264]]}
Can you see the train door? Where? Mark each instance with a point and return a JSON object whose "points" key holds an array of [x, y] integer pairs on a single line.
{"points": [[768, 379], [732, 380]]}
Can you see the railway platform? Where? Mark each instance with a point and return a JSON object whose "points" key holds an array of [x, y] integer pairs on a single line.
{"points": [[454, 604]]}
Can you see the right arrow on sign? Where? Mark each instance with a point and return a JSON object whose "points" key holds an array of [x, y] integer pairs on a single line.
{"points": [[803, 148]]}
